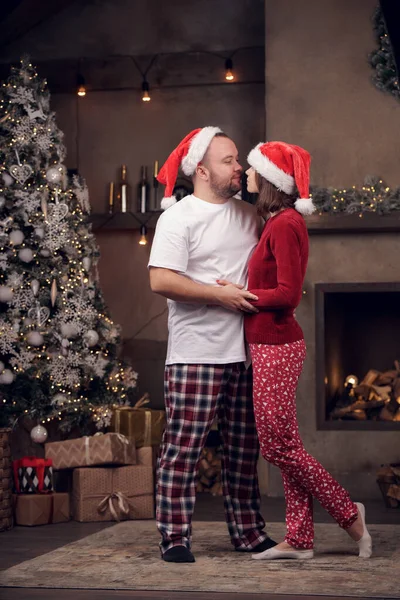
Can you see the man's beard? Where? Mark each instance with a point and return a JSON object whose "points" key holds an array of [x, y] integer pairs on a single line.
{"points": [[222, 189]]}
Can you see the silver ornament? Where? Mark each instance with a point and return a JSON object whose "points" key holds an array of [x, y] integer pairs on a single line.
{"points": [[54, 174], [39, 232], [7, 377], [34, 338], [26, 255], [65, 343], [35, 286], [6, 293], [86, 263], [8, 180], [2, 366], [16, 326], [2, 201], [16, 237], [39, 434], [91, 337], [45, 252]]}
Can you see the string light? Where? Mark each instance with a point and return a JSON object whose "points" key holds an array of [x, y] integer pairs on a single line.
{"points": [[143, 234], [145, 90], [229, 76], [81, 87]]}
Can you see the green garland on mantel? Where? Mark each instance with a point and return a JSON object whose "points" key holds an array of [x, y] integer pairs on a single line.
{"points": [[374, 197], [382, 59]]}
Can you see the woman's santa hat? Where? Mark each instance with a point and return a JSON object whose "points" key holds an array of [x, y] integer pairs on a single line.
{"points": [[287, 167], [187, 155]]}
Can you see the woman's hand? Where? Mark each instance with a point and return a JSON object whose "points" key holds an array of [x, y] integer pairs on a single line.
{"points": [[234, 297]]}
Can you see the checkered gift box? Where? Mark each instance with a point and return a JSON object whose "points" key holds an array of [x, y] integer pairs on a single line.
{"points": [[33, 475]]}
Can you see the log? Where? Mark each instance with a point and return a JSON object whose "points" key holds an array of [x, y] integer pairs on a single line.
{"points": [[383, 391], [370, 377]]}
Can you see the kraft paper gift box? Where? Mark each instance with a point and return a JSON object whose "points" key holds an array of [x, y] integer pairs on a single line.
{"points": [[110, 448], [145, 425], [41, 509], [114, 493]]}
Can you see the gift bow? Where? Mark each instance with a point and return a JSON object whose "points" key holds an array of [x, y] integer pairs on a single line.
{"points": [[123, 505]]}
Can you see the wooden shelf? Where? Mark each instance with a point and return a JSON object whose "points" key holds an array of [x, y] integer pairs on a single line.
{"points": [[316, 224], [368, 223], [123, 221]]}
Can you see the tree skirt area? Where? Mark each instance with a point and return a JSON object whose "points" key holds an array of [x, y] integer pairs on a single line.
{"points": [[126, 556]]}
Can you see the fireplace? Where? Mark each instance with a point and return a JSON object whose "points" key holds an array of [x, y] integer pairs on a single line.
{"points": [[357, 353]]}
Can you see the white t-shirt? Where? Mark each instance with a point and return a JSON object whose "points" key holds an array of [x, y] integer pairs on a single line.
{"points": [[205, 242]]}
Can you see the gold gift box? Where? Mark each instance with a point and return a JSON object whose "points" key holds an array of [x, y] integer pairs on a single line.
{"points": [[145, 425]]}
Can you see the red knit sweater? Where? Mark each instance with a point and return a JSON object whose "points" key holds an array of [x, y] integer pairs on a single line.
{"points": [[276, 274]]}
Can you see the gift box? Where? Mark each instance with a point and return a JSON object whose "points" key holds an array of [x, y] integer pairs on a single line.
{"points": [[41, 509], [33, 475], [143, 424], [111, 448], [114, 493]]}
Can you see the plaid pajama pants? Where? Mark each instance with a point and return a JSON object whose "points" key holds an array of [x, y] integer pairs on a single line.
{"points": [[194, 394]]}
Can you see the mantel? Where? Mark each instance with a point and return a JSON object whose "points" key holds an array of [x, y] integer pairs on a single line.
{"points": [[343, 223], [316, 224]]}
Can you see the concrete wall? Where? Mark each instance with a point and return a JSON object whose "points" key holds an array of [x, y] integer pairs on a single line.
{"points": [[319, 92], [108, 128]]}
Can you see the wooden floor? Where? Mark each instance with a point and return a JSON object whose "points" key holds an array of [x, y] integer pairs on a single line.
{"points": [[24, 543]]}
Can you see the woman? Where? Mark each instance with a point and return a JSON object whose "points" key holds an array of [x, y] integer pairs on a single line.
{"points": [[276, 274]]}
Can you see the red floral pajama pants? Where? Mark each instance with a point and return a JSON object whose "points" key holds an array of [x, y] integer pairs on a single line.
{"points": [[276, 371]]}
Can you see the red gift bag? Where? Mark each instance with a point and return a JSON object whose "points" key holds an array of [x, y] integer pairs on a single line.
{"points": [[33, 475]]}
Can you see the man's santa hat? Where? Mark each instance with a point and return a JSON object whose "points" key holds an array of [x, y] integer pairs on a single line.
{"points": [[287, 167], [187, 155]]}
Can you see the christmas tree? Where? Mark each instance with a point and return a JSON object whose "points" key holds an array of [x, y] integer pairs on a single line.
{"points": [[58, 346]]}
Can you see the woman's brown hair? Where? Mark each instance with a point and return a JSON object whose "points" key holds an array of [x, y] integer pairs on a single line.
{"points": [[270, 199]]}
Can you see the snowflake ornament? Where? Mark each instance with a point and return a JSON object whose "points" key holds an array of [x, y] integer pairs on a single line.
{"points": [[8, 337]]}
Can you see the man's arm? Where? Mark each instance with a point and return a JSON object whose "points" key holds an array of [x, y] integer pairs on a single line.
{"points": [[177, 287]]}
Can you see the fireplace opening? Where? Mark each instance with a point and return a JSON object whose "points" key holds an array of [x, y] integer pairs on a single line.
{"points": [[358, 355]]}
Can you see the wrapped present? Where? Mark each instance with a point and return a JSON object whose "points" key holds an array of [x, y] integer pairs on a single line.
{"points": [[107, 449], [41, 509], [33, 475], [143, 424], [114, 493]]}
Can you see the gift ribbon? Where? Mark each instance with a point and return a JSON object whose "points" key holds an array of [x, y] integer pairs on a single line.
{"points": [[123, 505]]}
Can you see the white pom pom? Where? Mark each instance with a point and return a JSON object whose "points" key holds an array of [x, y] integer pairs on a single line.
{"points": [[304, 206], [167, 201]]}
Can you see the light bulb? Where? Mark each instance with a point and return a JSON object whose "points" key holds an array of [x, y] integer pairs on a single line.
{"points": [[80, 85], [145, 89], [229, 76], [143, 234]]}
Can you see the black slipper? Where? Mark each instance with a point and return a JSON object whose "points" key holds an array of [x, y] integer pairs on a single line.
{"points": [[265, 545], [178, 554]]}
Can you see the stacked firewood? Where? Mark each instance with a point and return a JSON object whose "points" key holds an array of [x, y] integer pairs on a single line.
{"points": [[388, 479], [376, 397], [209, 474]]}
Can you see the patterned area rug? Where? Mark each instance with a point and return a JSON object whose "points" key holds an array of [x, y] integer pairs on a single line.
{"points": [[126, 557]]}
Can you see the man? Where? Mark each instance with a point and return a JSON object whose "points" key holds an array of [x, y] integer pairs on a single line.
{"points": [[206, 237]]}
